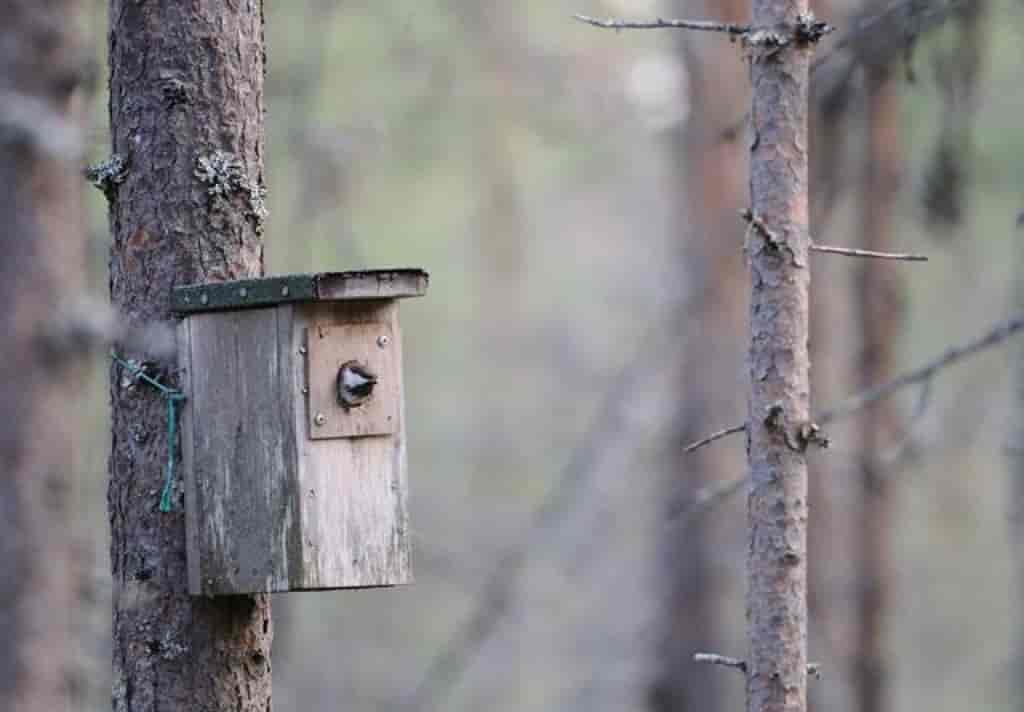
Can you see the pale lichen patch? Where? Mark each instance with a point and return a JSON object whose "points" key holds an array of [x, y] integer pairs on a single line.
{"points": [[108, 175], [224, 175]]}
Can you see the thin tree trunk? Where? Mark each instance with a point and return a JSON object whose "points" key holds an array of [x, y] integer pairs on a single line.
{"points": [[778, 425], [42, 244], [712, 170], [880, 316], [186, 114]]}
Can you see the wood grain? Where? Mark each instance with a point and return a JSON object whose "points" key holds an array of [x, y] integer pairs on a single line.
{"points": [[354, 508]]}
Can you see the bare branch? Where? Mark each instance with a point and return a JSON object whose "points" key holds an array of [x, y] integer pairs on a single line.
{"points": [[851, 252], [728, 28], [813, 669], [993, 337], [724, 660], [999, 333], [904, 451], [890, 32], [715, 436]]}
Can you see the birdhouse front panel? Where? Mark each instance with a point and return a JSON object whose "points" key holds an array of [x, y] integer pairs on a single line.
{"points": [[353, 483], [293, 434]]}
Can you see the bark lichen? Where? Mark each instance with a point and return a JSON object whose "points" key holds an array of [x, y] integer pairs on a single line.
{"points": [[224, 175]]}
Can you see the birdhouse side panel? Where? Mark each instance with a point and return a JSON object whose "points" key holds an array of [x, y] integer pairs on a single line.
{"points": [[242, 474], [354, 494]]}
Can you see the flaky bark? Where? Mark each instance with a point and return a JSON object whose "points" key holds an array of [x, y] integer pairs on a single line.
{"points": [[186, 114], [42, 258], [779, 400], [880, 309], [712, 171]]}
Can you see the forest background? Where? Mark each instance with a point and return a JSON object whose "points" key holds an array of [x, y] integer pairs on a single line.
{"points": [[534, 166]]}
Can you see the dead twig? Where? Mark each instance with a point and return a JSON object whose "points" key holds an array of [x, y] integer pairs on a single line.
{"points": [[728, 28], [993, 337], [715, 436], [872, 254], [813, 669], [723, 660], [892, 31], [905, 450]]}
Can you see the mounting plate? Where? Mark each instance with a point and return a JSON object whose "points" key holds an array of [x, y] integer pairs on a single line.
{"points": [[373, 346]]}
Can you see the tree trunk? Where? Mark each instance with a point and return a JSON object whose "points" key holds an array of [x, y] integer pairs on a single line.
{"points": [[186, 114], [880, 304], [41, 273], [712, 171], [778, 425]]}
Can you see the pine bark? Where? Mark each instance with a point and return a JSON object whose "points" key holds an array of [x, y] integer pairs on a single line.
{"points": [[186, 115], [711, 170], [880, 304], [779, 401], [43, 256]]}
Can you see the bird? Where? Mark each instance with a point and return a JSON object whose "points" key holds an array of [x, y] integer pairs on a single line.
{"points": [[355, 384]]}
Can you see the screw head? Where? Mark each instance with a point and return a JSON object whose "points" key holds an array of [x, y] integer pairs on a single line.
{"points": [[383, 340], [285, 291], [204, 298], [302, 350], [243, 292], [320, 419]]}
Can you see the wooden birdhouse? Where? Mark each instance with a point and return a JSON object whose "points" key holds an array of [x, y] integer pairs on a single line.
{"points": [[293, 432]]}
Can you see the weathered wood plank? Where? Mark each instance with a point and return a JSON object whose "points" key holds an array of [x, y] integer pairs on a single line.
{"points": [[184, 344], [290, 508], [353, 489], [372, 284], [240, 469]]}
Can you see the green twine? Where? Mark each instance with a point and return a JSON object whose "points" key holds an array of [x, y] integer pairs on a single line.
{"points": [[173, 398]]}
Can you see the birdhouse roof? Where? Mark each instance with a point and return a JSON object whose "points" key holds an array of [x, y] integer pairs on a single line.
{"points": [[320, 287]]}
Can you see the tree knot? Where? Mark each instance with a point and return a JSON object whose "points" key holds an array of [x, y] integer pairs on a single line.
{"points": [[766, 42], [775, 240], [797, 436]]}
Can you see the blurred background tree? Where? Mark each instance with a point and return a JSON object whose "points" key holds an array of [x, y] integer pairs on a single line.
{"points": [[534, 166], [43, 87]]}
